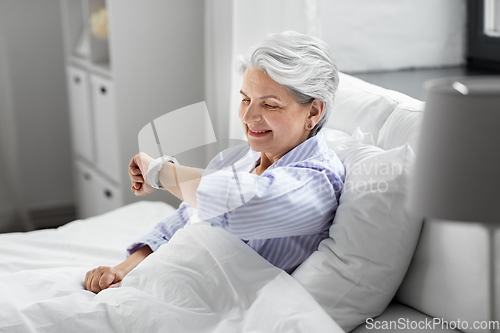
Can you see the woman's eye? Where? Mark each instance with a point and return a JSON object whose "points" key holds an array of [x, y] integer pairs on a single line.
{"points": [[246, 101], [269, 106]]}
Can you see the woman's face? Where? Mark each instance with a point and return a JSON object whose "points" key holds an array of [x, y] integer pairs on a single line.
{"points": [[272, 120]]}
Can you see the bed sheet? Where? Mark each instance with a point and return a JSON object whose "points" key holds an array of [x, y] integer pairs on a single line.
{"points": [[203, 280]]}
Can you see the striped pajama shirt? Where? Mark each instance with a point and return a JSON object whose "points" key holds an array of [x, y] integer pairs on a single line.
{"points": [[283, 214]]}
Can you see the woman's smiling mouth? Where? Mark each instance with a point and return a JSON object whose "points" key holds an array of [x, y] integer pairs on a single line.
{"points": [[257, 133]]}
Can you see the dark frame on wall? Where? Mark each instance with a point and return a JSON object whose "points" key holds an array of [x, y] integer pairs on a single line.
{"points": [[483, 51]]}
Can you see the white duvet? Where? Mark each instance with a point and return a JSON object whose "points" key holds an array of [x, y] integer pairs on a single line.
{"points": [[203, 280]]}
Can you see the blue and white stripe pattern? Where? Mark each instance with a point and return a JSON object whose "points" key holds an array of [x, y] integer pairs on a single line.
{"points": [[283, 214]]}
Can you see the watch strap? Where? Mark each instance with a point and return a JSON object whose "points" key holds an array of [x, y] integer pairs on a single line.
{"points": [[154, 168]]}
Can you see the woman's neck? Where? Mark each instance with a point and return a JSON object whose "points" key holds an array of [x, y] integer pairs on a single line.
{"points": [[266, 160]]}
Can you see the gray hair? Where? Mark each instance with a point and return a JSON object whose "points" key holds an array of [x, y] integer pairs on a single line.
{"points": [[302, 64]]}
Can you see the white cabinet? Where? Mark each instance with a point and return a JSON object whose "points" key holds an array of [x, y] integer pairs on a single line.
{"points": [[80, 115], [92, 108], [96, 195], [84, 185], [108, 196], [95, 142], [105, 125], [122, 76]]}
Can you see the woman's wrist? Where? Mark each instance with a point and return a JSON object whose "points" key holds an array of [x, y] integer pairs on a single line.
{"points": [[154, 169], [167, 176], [181, 181], [131, 262]]}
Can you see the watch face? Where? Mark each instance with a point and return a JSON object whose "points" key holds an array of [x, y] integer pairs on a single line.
{"points": [[153, 173], [177, 131], [168, 159], [187, 135]]}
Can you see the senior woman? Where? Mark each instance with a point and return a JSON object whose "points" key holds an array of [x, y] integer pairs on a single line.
{"points": [[294, 180]]}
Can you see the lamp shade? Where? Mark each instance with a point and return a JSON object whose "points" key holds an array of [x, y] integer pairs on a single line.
{"points": [[457, 171]]}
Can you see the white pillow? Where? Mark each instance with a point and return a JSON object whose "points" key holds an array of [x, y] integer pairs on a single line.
{"points": [[336, 137], [332, 135], [356, 272], [361, 104], [402, 126]]}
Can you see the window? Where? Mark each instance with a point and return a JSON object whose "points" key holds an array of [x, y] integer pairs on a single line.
{"points": [[483, 35], [492, 18]]}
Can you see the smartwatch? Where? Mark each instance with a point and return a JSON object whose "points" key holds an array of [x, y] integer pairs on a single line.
{"points": [[153, 174]]}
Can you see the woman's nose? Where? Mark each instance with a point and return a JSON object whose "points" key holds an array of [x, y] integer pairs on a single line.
{"points": [[250, 114]]}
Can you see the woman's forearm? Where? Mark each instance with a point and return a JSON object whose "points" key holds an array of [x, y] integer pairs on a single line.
{"points": [[131, 262], [103, 277], [181, 181]]}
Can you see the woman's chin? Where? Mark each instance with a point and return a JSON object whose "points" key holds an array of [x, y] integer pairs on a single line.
{"points": [[259, 141], [256, 146]]}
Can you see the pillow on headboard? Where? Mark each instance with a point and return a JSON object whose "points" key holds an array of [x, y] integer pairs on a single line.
{"points": [[356, 272], [402, 126], [364, 105]]}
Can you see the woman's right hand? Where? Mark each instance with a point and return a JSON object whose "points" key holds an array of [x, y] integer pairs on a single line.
{"points": [[137, 171], [103, 277]]}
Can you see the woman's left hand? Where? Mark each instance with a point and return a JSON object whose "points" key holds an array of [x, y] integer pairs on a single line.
{"points": [[137, 171]]}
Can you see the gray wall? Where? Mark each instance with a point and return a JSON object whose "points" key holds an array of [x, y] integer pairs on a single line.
{"points": [[33, 55], [154, 75], [32, 78], [378, 35], [33, 83], [7, 132]]}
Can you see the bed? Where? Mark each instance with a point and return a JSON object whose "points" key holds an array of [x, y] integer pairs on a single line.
{"points": [[214, 284], [206, 280]]}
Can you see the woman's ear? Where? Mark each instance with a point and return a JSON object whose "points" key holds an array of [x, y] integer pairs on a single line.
{"points": [[315, 112]]}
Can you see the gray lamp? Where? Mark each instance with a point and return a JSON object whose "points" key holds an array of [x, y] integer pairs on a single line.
{"points": [[457, 172]]}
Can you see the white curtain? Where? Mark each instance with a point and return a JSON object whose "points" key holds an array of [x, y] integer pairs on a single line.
{"points": [[12, 206]]}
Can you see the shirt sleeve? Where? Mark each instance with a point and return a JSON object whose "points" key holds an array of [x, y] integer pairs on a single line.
{"points": [[164, 230], [282, 202]]}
